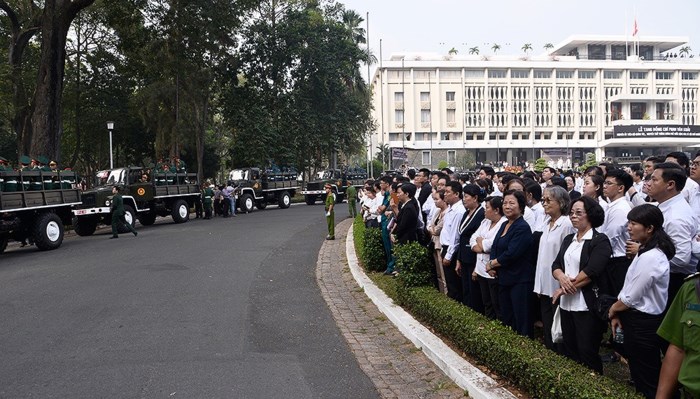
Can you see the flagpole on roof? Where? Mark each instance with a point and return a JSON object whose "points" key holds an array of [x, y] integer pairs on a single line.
{"points": [[627, 51]]}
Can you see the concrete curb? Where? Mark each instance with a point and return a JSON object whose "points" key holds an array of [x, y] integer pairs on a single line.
{"points": [[464, 374]]}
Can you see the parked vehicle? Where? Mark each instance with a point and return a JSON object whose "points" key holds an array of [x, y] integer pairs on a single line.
{"points": [[338, 179], [258, 187]]}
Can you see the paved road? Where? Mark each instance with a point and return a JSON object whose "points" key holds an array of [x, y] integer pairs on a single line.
{"points": [[224, 308]]}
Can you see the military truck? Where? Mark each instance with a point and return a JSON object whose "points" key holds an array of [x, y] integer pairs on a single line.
{"points": [[260, 187], [339, 181], [162, 194], [35, 206]]}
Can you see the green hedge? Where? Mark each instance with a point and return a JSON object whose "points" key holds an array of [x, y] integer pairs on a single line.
{"points": [[369, 246], [524, 362]]}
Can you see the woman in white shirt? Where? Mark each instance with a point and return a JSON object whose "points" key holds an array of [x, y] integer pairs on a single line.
{"points": [[593, 188], [480, 243], [641, 303], [434, 228], [556, 226]]}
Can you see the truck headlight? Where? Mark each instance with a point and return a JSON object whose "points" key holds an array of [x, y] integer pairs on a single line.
{"points": [[108, 202]]}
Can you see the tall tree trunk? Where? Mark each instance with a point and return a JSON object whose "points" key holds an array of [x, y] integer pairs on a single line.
{"points": [[47, 116]]}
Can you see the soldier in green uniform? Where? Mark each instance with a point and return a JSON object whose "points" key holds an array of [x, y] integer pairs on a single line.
{"points": [[118, 213], [24, 162], [351, 194], [681, 328], [330, 212], [207, 196]]}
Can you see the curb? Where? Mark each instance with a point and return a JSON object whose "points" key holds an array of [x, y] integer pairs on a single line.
{"points": [[464, 374]]}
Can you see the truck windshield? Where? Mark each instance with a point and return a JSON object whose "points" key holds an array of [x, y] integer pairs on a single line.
{"points": [[238, 174], [116, 177], [328, 174]]}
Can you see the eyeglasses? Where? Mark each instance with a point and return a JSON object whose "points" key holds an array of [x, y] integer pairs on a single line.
{"points": [[695, 164], [577, 214], [547, 200]]}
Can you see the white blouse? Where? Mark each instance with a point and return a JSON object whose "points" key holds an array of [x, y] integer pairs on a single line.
{"points": [[550, 243], [572, 266], [488, 234], [646, 283]]}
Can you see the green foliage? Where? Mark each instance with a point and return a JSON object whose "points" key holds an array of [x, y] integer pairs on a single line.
{"points": [[524, 362], [369, 246], [413, 264], [377, 167], [442, 164], [540, 164], [466, 161], [590, 161]]}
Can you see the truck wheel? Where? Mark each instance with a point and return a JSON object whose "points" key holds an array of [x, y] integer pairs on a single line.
{"points": [[147, 218], [247, 203], [48, 231], [3, 244], [284, 200], [84, 226], [262, 204], [310, 199], [181, 211], [130, 217]]}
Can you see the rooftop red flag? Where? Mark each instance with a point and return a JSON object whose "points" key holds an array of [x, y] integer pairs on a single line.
{"points": [[636, 29]]}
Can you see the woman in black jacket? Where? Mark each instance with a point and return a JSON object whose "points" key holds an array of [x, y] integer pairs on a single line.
{"points": [[406, 229], [466, 259], [580, 270]]}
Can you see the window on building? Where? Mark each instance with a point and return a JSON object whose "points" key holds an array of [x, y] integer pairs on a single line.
{"points": [[638, 75], [565, 74], [474, 73], [596, 51], [586, 74], [426, 158], [398, 116], [450, 117], [618, 52], [689, 75], [646, 52], [469, 136], [450, 96], [543, 135], [497, 73], [425, 116], [612, 75], [664, 75], [519, 74], [424, 96], [398, 97], [451, 157], [542, 74]]}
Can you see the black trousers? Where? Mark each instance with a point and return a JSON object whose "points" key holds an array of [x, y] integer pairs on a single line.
{"points": [[515, 301], [452, 280], [471, 291], [643, 349], [582, 333], [547, 313], [617, 270], [488, 288]]}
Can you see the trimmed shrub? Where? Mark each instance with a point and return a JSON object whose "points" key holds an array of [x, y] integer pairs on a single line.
{"points": [[371, 249], [412, 264]]}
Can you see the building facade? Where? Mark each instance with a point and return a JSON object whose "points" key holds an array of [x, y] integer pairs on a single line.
{"points": [[618, 99]]}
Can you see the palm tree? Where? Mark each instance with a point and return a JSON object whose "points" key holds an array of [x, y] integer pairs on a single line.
{"points": [[526, 47], [685, 50], [548, 47], [352, 21], [474, 50], [453, 51], [495, 47]]}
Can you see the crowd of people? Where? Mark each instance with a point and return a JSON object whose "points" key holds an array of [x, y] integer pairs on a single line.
{"points": [[582, 253]]}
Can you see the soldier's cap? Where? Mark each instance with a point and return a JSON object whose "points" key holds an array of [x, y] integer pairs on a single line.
{"points": [[25, 160], [327, 185], [3, 160], [42, 160], [52, 163]]}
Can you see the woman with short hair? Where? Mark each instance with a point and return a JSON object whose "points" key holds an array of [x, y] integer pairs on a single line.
{"points": [[481, 243]]}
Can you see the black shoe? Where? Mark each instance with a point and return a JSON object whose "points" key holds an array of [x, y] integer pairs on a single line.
{"points": [[610, 358], [113, 237], [136, 233]]}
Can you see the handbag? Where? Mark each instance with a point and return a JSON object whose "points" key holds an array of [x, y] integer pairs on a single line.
{"points": [[603, 302], [557, 334]]}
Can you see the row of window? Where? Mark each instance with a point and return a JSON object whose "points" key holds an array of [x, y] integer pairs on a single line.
{"points": [[493, 136], [564, 74]]}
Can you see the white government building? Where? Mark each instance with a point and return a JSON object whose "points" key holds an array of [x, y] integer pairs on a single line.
{"points": [[618, 99]]}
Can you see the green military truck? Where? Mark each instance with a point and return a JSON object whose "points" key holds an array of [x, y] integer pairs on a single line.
{"points": [[258, 187], [313, 190], [162, 194], [35, 206]]}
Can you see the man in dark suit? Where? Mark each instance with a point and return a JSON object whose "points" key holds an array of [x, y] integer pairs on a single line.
{"points": [[466, 259], [423, 182], [406, 229], [570, 184], [118, 213]]}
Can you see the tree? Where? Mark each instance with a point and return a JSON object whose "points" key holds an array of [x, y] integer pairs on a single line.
{"points": [[527, 47], [590, 161], [352, 21], [684, 51], [474, 50], [47, 117], [465, 161], [495, 47], [453, 51], [383, 153], [540, 164], [548, 47]]}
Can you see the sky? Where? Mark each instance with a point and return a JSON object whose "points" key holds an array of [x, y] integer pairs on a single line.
{"points": [[439, 25]]}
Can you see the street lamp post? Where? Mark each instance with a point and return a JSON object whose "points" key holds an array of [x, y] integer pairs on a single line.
{"points": [[110, 127]]}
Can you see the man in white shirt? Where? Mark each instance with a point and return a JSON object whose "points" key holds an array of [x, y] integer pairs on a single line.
{"points": [[533, 195], [616, 184], [691, 187], [667, 182], [449, 238]]}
